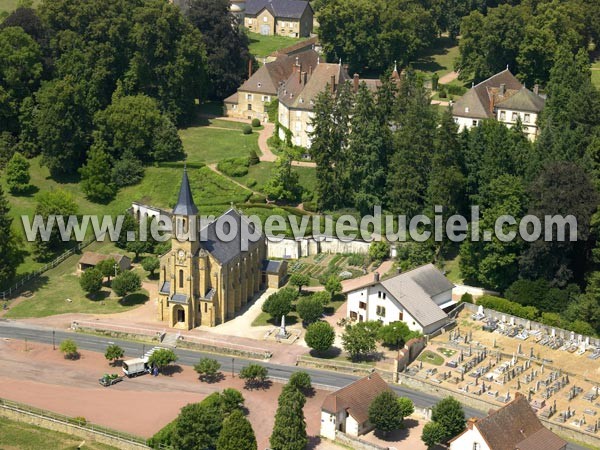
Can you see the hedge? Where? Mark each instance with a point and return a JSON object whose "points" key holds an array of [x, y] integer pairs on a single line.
{"points": [[508, 307], [234, 167]]}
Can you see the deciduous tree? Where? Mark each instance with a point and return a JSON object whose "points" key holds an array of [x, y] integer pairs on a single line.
{"points": [[320, 336], [236, 433]]}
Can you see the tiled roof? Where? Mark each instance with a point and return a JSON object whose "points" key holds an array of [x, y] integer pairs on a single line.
{"points": [[268, 78], [271, 266], [356, 397], [479, 102], [181, 299], [515, 426], [300, 93], [298, 47], [221, 250], [285, 9], [93, 258], [165, 288], [233, 98], [185, 203]]}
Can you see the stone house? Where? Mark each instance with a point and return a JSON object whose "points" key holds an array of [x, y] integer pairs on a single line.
{"points": [[90, 259], [515, 426], [261, 87], [347, 410], [417, 297], [206, 279], [501, 97], [292, 18]]}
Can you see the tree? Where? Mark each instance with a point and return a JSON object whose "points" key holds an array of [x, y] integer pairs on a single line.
{"points": [[333, 286], [283, 184], [126, 283], [407, 406], [162, 357], [96, 180], [236, 433], [199, 425], [151, 263], [91, 281], [17, 174], [8, 244], [300, 280], [128, 170], [254, 375], [309, 309], [280, 303], [208, 369], [289, 430], [359, 340], [394, 334], [113, 353], [449, 414], [433, 433], [379, 250], [107, 268], [69, 349], [226, 45], [320, 336], [231, 399], [138, 247], [52, 203], [301, 381], [385, 412]]}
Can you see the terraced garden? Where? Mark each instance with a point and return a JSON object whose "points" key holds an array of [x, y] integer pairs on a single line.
{"points": [[323, 265]]}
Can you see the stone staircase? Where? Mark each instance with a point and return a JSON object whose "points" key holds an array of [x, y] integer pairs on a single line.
{"points": [[170, 340]]}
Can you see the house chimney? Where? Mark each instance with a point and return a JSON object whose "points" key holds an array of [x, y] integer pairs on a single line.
{"points": [[502, 89], [332, 84], [376, 276], [310, 70], [249, 68], [304, 78], [536, 89], [299, 76], [472, 421], [355, 82]]}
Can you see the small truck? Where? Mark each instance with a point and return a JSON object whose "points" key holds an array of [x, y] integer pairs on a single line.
{"points": [[135, 367], [109, 380]]}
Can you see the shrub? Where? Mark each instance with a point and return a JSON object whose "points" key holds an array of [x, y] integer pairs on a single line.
{"points": [[69, 348], [309, 206], [255, 123], [234, 167], [309, 309], [253, 158], [442, 93], [247, 129], [250, 182], [379, 250], [466, 298], [508, 307], [208, 369], [254, 375], [91, 281], [257, 198], [453, 89], [301, 381]]}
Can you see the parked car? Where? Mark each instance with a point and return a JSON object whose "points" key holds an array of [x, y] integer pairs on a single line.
{"points": [[109, 380]]}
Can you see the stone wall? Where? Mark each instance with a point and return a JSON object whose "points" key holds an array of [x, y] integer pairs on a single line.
{"points": [[349, 368], [409, 353], [356, 443], [294, 249], [53, 424]]}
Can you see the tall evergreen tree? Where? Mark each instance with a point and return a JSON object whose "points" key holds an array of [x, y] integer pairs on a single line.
{"points": [[237, 433], [289, 431], [8, 245], [96, 179]]}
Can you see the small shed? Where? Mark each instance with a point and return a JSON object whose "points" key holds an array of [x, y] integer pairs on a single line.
{"points": [[274, 273], [91, 259]]}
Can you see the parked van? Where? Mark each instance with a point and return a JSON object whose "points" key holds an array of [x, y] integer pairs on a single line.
{"points": [[135, 367]]}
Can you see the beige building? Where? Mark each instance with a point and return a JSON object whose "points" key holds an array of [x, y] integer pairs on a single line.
{"points": [[292, 18], [262, 86], [206, 279], [501, 97]]}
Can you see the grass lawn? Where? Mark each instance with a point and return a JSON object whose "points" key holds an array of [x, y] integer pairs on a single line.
{"points": [[262, 172], [439, 59], [208, 145], [452, 269], [596, 75], [22, 436], [431, 357], [446, 352], [53, 288], [262, 46]]}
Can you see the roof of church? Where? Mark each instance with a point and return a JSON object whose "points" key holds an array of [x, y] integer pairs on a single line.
{"points": [[224, 250], [185, 203]]}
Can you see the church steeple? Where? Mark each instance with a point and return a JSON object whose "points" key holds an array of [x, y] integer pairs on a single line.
{"points": [[185, 203]]}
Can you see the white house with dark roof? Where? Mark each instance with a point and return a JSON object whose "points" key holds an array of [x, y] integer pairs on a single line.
{"points": [[292, 18], [418, 298], [501, 97]]}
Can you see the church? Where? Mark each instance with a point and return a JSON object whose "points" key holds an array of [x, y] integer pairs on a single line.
{"points": [[205, 280]]}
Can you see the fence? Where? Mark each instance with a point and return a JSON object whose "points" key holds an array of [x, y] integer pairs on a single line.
{"points": [[19, 285], [101, 433]]}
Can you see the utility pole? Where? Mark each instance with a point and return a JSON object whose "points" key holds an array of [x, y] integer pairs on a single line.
{"points": [[232, 363], [53, 341], [116, 267]]}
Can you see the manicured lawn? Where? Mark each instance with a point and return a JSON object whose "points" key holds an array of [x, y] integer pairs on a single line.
{"points": [[262, 172], [22, 436], [439, 59], [446, 352], [54, 287], [208, 145], [8, 6], [262, 46], [431, 357]]}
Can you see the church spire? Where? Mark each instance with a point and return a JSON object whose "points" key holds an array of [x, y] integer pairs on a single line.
{"points": [[185, 203]]}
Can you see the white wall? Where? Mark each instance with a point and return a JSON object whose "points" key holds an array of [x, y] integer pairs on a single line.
{"points": [[443, 297], [465, 122], [467, 440], [529, 128], [292, 249], [328, 425]]}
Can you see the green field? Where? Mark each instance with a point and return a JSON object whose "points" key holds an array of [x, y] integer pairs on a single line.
{"points": [[262, 172], [22, 436], [209, 145], [439, 59], [262, 46], [596, 75]]}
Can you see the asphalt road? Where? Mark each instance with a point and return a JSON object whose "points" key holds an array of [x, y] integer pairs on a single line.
{"points": [[16, 330]]}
